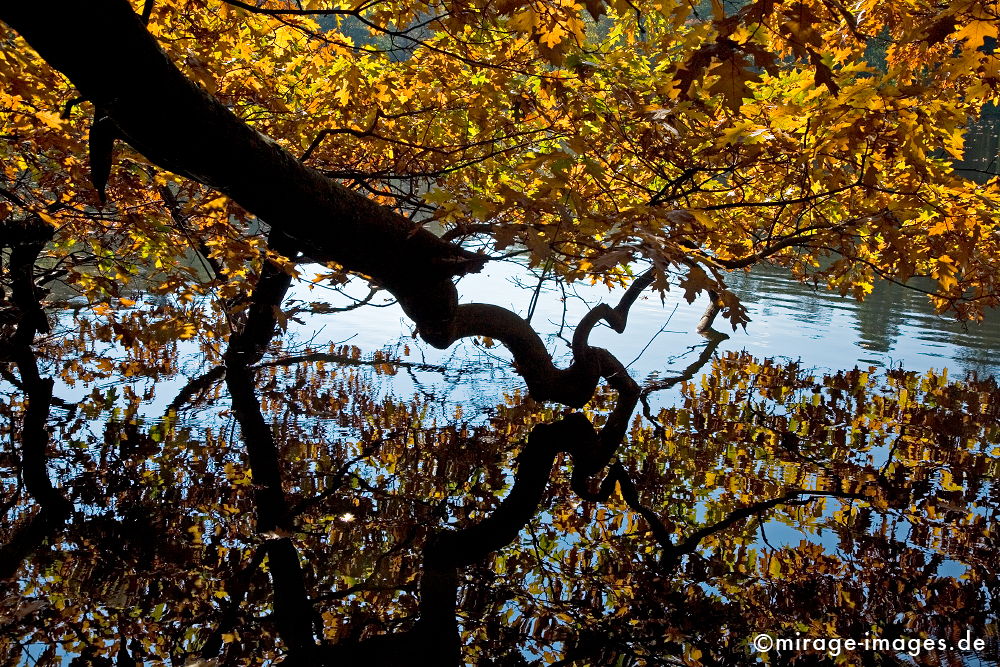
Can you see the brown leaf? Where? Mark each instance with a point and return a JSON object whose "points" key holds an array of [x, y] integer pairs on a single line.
{"points": [[823, 74], [940, 29], [734, 75], [695, 282]]}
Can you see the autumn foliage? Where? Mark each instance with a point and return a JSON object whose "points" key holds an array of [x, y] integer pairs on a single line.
{"points": [[171, 166], [701, 139]]}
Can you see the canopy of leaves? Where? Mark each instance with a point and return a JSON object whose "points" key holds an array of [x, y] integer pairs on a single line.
{"points": [[281, 506], [587, 137]]}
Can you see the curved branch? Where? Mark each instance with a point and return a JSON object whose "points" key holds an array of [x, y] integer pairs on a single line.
{"points": [[671, 555], [55, 508], [435, 634], [572, 386]]}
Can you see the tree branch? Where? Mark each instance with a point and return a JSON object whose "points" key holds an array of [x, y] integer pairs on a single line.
{"points": [[103, 48]]}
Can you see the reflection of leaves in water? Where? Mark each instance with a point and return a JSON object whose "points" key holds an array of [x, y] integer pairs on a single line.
{"points": [[884, 528], [912, 459]]}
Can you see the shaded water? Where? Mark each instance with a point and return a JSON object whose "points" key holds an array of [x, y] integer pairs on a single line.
{"points": [[982, 147]]}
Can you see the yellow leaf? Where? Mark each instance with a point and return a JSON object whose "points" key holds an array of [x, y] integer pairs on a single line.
{"points": [[51, 119], [978, 30], [218, 203], [47, 218], [938, 228], [343, 95], [553, 37], [524, 21]]}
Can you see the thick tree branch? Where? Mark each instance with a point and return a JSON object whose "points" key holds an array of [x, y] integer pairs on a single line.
{"points": [[106, 52], [292, 607], [572, 386], [104, 49], [34, 437]]}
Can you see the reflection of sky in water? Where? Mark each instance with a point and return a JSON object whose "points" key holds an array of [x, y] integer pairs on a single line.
{"points": [[825, 332], [893, 327]]}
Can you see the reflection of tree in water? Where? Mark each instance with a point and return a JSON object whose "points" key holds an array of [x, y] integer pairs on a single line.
{"points": [[887, 321], [582, 537], [878, 317], [881, 314], [982, 147]]}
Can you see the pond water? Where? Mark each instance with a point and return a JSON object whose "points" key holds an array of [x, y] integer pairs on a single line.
{"points": [[894, 327], [777, 491]]}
